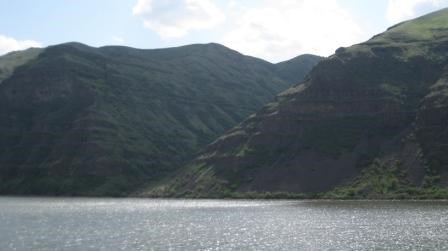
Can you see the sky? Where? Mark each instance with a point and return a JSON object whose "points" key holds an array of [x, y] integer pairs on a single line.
{"points": [[274, 30]]}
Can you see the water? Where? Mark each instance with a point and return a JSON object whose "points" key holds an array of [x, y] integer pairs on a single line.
{"points": [[147, 224]]}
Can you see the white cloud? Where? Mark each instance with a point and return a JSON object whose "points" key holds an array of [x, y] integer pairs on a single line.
{"points": [[176, 18], [142, 7], [400, 10], [8, 44], [281, 29], [118, 40]]}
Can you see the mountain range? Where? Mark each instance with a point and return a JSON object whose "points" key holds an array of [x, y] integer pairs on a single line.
{"points": [[370, 121], [79, 120], [202, 120]]}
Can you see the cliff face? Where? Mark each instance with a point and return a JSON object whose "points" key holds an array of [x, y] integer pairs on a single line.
{"points": [[101, 121], [431, 128], [382, 102]]}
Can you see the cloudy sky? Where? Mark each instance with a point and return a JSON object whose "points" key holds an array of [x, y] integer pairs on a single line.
{"points": [[274, 30]]}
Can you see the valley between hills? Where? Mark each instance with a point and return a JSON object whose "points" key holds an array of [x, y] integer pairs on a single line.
{"points": [[205, 121]]}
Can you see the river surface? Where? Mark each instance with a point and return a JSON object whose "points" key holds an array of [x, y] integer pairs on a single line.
{"points": [[152, 224]]}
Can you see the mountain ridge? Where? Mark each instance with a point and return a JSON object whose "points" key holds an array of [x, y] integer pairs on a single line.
{"points": [[359, 126], [80, 120]]}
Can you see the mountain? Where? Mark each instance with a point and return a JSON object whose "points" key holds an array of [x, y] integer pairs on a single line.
{"points": [[369, 122], [295, 69], [78, 120], [15, 59]]}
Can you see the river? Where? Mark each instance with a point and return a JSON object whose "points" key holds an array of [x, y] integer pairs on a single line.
{"points": [[154, 224]]}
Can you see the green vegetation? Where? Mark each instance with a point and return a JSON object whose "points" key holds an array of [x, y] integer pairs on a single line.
{"points": [[294, 70], [12, 60], [379, 180], [343, 133], [78, 120], [386, 180], [425, 28], [368, 123]]}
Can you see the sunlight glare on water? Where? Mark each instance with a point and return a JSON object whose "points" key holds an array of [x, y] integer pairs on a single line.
{"points": [[152, 224]]}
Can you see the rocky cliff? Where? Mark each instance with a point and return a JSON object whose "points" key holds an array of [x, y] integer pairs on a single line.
{"points": [[369, 121]]}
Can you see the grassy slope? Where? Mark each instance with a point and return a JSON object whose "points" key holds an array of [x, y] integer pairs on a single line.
{"points": [[367, 104], [82, 120], [14, 59], [295, 69]]}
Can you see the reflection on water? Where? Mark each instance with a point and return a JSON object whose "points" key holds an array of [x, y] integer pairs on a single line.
{"points": [[149, 224]]}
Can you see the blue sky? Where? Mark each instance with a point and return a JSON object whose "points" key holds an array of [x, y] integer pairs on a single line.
{"points": [[274, 30]]}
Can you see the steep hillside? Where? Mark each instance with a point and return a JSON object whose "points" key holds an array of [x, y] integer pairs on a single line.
{"points": [[295, 69], [100, 121], [12, 60], [369, 122]]}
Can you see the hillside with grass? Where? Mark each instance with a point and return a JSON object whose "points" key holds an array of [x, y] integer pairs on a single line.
{"points": [[79, 120], [369, 122], [12, 60]]}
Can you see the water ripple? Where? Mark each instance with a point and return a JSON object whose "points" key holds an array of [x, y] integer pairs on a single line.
{"points": [[148, 224]]}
